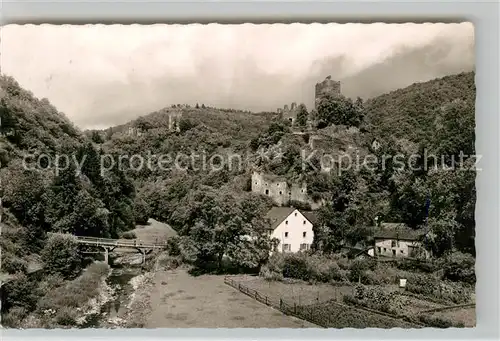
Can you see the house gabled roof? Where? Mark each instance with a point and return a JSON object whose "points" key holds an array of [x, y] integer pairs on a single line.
{"points": [[312, 216], [277, 214], [398, 231]]}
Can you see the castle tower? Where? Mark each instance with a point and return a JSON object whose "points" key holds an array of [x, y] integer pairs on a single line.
{"points": [[328, 86]]}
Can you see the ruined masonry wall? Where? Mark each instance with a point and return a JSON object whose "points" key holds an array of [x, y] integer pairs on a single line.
{"points": [[279, 190]]}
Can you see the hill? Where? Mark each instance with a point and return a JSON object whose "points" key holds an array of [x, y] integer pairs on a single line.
{"points": [[412, 112], [40, 195]]}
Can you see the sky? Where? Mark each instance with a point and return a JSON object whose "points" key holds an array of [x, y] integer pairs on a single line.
{"points": [[105, 75]]}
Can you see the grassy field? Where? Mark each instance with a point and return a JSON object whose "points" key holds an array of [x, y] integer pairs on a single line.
{"points": [[465, 315], [298, 292], [340, 316], [154, 232], [179, 300]]}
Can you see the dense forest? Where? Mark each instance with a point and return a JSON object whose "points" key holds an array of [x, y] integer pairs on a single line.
{"points": [[213, 210]]}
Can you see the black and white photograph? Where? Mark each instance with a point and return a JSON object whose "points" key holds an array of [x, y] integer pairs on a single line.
{"points": [[238, 176]]}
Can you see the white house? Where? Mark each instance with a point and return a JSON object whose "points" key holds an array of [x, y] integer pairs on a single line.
{"points": [[400, 241], [293, 228]]}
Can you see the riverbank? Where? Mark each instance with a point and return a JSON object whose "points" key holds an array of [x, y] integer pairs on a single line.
{"points": [[67, 304], [133, 306]]}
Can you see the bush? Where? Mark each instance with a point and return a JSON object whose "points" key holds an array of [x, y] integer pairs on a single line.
{"points": [[295, 266], [167, 261], [374, 298], [430, 286], [186, 124], [129, 235], [460, 267], [311, 268], [173, 246], [270, 275], [12, 264], [74, 294], [423, 284], [60, 255], [416, 266], [20, 292], [359, 267], [142, 211], [66, 317], [439, 322]]}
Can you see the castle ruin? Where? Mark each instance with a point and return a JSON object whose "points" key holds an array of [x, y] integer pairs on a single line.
{"points": [[173, 121], [280, 190], [324, 88], [289, 114]]}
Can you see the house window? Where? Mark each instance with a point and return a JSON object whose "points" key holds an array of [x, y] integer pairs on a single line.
{"points": [[304, 234], [295, 213], [304, 222], [402, 251], [304, 247], [256, 182], [290, 193], [280, 193], [286, 247], [393, 243], [286, 222], [385, 249], [286, 234], [267, 192], [393, 252], [378, 249]]}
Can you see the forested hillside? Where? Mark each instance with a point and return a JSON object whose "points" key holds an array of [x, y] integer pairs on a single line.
{"points": [[412, 113], [37, 198], [424, 119]]}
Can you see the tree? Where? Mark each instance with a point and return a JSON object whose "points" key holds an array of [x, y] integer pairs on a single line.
{"points": [[60, 256], [219, 224], [96, 137], [143, 124], [142, 211], [338, 110], [302, 115], [455, 132]]}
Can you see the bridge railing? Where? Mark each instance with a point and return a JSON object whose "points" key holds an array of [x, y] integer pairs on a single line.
{"points": [[118, 242]]}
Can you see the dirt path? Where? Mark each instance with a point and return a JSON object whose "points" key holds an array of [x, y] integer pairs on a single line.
{"points": [[179, 300]]}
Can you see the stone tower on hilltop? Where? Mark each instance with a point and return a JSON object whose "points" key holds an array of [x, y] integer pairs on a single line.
{"points": [[328, 86]]}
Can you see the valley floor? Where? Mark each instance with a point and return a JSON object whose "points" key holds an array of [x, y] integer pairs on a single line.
{"points": [[179, 300]]}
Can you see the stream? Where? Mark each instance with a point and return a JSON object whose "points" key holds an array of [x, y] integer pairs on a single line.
{"points": [[119, 281]]}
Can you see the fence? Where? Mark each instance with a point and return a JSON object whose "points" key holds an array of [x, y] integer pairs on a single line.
{"points": [[277, 303], [328, 314], [459, 306]]}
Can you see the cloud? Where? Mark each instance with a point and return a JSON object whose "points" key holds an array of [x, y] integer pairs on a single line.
{"points": [[105, 75]]}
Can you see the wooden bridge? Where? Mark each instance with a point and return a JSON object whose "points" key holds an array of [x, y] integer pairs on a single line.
{"points": [[108, 245]]}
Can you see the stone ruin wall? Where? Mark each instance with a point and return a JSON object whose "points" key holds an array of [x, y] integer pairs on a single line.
{"points": [[279, 190], [173, 121], [289, 114]]}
